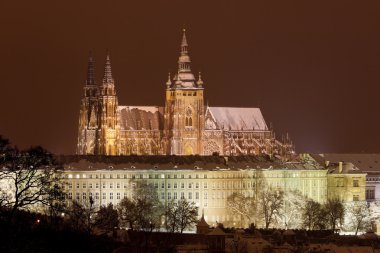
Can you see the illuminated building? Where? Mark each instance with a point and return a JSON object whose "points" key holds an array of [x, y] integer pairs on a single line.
{"points": [[183, 126], [206, 181]]}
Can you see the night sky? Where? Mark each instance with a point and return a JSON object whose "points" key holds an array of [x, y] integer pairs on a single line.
{"points": [[311, 66]]}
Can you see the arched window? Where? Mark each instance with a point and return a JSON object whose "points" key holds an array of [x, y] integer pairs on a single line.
{"points": [[188, 118]]}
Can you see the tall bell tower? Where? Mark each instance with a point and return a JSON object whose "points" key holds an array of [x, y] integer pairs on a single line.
{"points": [[88, 115], [108, 132], [184, 109]]}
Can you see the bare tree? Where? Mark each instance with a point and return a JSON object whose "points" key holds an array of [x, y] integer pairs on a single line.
{"points": [[171, 216], [245, 207], [29, 179], [187, 214], [311, 214], [359, 216], [271, 201], [128, 212], [82, 216], [291, 212], [335, 212], [143, 210], [107, 218]]}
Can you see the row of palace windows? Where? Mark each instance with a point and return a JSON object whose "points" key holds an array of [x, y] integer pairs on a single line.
{"points": [[133, 176], [163, 185], [163, 195], [167, 176]]}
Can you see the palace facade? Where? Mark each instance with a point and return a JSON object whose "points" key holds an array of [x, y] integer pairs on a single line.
{"points": [[208, 181], [183, 126]]}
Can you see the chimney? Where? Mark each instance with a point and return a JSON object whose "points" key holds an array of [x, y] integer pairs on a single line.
{"points": [[340, 167]]}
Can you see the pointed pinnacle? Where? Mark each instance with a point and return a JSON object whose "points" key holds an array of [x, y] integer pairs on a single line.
{"points": [[107, 77], [90, 70], [184, 40]]}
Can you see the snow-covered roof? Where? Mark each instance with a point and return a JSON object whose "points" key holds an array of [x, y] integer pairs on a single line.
{"points": [[365, 162], [140, 117], [234, 118]]}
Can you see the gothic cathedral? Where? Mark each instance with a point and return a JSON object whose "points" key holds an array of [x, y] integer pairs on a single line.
{"points": [[184, 126]]}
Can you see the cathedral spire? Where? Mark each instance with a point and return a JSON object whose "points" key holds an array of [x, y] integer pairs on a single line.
{"points": [[184, 44], [90, 71], [107, 77], [184, 59]]}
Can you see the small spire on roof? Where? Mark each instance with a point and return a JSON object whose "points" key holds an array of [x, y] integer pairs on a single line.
{"points": [[177, 79], [200, 82], [169, 82]]}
